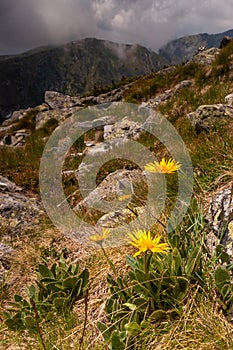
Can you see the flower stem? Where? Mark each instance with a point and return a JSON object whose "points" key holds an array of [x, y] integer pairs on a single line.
{"points": [[109, 261]]}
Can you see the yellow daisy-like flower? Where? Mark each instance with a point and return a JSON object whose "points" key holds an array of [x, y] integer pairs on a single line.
{"points": [[165, 167], [99, 238], [124, 197], [142, 241]]}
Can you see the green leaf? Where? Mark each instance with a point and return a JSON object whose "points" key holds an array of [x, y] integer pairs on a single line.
{"points": [[70, 282], [132, 307], [158, 315], [29, 322], [131, 261], [193, 261], [18, 298], [60, 303], [133, 328], [31, 291], [44, 271], [105, 331], [84, 275], [181, 288], [116, 342], [221, 276]]}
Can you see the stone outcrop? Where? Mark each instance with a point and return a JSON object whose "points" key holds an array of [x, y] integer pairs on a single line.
{"points": [[162, 98], [220, 217], [57, 100], [124, 128], [205, 56], [17, 211], [208, 117]]}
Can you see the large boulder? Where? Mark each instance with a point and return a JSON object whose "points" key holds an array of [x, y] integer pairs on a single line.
{"points": [[57, 100], [205, 56], [208, 117]]}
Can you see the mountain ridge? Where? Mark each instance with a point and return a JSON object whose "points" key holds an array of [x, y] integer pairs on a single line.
{"points": [[182, 49], [72, 68]]}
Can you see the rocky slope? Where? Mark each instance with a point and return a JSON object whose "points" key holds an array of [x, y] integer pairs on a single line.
{"points": [[182, 49]]}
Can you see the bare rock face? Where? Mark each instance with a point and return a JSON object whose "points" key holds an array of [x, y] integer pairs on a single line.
{"points": [[207, 117], [220, 217]]}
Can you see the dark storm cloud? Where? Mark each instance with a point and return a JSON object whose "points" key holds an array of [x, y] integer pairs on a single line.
{"points": [[29, 23]]}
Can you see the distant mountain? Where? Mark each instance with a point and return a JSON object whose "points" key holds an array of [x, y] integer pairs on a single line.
{"points": [[72, 68], [183, 49]]}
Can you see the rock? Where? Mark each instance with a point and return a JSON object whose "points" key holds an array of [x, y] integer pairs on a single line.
{"points": [[225, 41], [111, 96], [17, 211], [207, 117], [6, 255], [124, 128], [161, 98], [118, 217], [229, 99], [16, 116], [7, 185], [59, 114], [57, 100], [116, 184], [220, 217], [14, 139], [205, 56]]}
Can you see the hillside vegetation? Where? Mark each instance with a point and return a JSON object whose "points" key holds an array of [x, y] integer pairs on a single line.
{"points": [[178, 297]]}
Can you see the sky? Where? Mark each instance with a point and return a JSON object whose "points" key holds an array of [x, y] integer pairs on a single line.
{"points": [[26, 24]]}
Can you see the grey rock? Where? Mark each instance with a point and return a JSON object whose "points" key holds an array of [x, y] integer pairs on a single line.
{"points": [[57, 100], [161, 98], [229, 100], [206, 117], [59, 114], [7, 185], [119, 183], [17, 211], [118, 217], [16, 116], [124, 128], [220, 217], [205, 56]]}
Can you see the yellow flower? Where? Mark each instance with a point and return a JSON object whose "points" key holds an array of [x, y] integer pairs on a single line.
{"points": [[124, 197], [143, 241], [165, 167], [99, 238]]}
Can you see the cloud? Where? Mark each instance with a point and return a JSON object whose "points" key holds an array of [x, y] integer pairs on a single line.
{"points": [[29, 23]]}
